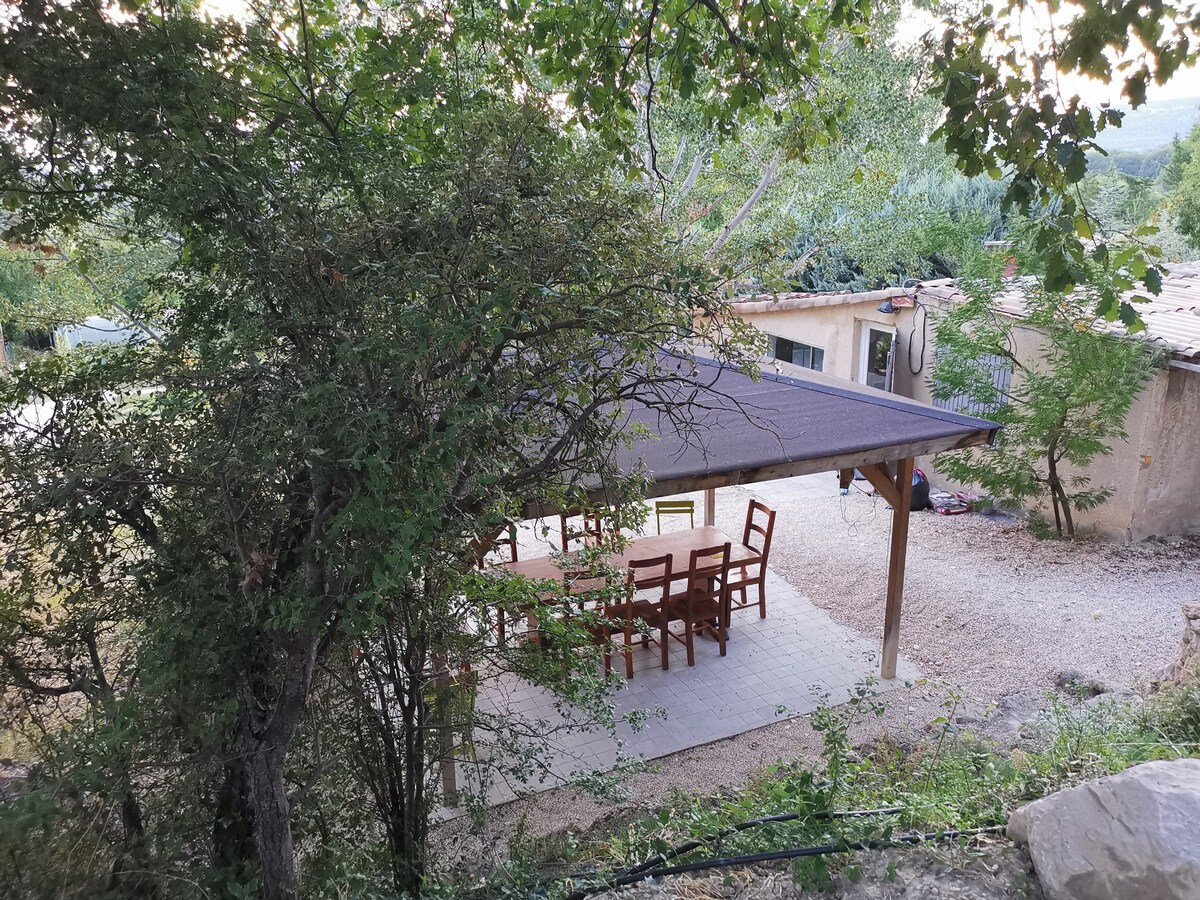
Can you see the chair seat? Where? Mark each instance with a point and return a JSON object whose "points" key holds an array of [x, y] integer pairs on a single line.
{"points": [[739, 577], [642, 609], [702, 607]]}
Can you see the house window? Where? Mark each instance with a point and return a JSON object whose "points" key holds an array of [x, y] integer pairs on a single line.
{"points": [[796, 353]]}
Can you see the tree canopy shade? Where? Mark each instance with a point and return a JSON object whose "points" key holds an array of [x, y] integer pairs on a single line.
{"points": [[1006, 115]]}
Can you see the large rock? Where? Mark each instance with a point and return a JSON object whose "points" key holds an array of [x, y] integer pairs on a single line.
{"points": [[1014, 719], [1132, 836], [1184, 669]]}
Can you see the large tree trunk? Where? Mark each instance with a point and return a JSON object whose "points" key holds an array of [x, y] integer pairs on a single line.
{"points": [[234, 848], [273, 818], [272, 724]]}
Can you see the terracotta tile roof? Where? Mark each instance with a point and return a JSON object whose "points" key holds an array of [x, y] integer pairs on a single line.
{"points": [[1172, 318], [758, 303]]}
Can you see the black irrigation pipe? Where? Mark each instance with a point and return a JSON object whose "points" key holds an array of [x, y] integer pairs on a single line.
{"points": [[754, 823], [777, 855], [696, 844]]}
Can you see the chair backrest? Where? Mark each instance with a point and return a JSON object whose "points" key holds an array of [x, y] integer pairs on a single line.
{"points": [[591, 529], [708, 572], [583, 588], [485, 545], [674, 508], [510, 541], [760, 521], [650, 574]]}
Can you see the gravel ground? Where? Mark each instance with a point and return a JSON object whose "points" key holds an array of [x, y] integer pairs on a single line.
{"points": [[989, 610], [987, 606]]}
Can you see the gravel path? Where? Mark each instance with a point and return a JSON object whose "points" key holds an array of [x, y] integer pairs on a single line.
{"points": [[989, 610], [988, 607]]}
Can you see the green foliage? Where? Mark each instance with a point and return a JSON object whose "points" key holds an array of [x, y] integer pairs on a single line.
{"points": [[785, 219], [392, 322], [1121, 203], [1184, 173], [1175, 715], [49, 285], [1181, 155], [1131, 202], [1151, 164], [1072, 387], [1133, 197], [407, 272], [950, 780], [935, 220], [1005, 116]]}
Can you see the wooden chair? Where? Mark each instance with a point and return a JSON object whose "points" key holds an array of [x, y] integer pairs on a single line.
{"points": [[450, 692], [760, 525], [591, 530], [653, 576], [485, 545], [585, 592], [674, 508], [704, 603], [510, 541]]}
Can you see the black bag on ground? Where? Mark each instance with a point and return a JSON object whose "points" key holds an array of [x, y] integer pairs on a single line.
{"points": [[920, 491]]}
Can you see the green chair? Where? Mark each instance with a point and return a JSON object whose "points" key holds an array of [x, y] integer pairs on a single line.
{"points": [[674, 508]]}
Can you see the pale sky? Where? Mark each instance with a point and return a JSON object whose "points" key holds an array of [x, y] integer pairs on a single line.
{"points": [[913, 24]]}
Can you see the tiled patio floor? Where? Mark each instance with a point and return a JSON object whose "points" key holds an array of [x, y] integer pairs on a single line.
{"points": [[775, 668]]}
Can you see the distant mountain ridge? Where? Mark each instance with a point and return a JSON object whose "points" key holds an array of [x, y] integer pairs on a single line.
{"points": [[1153, 125]]}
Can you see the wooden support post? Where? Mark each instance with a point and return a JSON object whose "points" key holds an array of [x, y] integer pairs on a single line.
{"points": [[896, 559], [446, 763], [710, 506], [845, 478], [882, 480]]}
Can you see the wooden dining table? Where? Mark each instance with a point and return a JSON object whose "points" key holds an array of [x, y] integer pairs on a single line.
{"points": [[679, 544]]}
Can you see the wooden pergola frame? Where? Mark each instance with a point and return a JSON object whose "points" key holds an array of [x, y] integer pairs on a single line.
{"points": [[888, 465], [889, 470]]}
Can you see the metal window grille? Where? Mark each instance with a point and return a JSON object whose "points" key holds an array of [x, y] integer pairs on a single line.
{"points": [[1000, 370]]}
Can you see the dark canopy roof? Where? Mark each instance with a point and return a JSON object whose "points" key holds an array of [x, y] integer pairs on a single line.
{"points": [[791, 425]]}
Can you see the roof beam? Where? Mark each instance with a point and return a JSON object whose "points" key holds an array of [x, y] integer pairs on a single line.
{"points": [[881, 480], [855, 460]]}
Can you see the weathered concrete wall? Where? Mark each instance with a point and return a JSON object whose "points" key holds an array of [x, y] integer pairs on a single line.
{"points": [[835, 329], [1166, 495], [1154, 476]]}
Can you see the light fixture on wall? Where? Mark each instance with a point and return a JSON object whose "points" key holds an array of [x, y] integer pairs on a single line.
{"points": [[886, 307]]}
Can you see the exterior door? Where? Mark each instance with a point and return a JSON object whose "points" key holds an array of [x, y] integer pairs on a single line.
{"points": [[875, 357]]}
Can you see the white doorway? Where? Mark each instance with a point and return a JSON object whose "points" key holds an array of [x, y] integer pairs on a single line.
{"points": [[875, 356]]}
